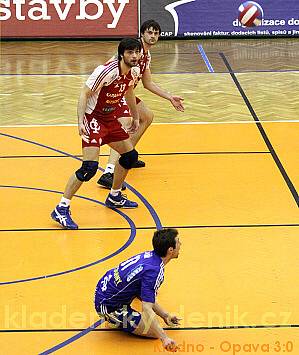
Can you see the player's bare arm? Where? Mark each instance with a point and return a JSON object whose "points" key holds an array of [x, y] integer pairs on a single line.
{"points": [[151, 322], [176, 101], [131, 101], [171, 320], [82, 102]]}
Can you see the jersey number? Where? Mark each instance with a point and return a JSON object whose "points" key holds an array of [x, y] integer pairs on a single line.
{"points": [[122, 87], [129, 262], [104, 282]]}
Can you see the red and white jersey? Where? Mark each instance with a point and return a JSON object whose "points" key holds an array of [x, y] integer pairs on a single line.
{"points": [[144, 62], [109, 86]]}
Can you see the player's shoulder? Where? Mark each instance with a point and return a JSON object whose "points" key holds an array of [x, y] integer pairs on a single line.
{"points": [[145, 55], [148, 255], [109, 70], [151, 260]]}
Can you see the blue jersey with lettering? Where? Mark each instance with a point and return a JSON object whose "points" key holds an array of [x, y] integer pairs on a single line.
{"points": [[139, 276]]}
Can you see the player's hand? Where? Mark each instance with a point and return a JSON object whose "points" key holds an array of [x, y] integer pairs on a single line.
{"points": [[172, 321], [169, 344], [133, 127], [177, 103], [83, 133]]}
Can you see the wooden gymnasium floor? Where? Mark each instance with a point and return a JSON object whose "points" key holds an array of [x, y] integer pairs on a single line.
{"points": [[225, 173]]}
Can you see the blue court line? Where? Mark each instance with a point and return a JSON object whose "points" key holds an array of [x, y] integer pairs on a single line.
{"points": [[138, 194], [73, 338], [122, 248], [147, 205], [205, 58]]}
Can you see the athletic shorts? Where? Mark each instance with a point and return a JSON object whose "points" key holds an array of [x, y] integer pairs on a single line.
{"points": [[102, 132], [125, 318]]}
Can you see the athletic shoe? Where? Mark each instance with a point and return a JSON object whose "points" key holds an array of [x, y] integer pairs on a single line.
{"points": [[119, 201], [62, 215], [106, 181], [139, 164]]}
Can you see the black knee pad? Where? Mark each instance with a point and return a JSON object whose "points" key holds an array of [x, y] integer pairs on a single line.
{"points": [[87, 171], [128, 159]]}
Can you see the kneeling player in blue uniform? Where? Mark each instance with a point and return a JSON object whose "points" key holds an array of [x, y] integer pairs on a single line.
{"points": [[139, 277]]}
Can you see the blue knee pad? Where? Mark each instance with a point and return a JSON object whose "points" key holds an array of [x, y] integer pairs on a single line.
{"points": [[87, 171], [127, 160]]}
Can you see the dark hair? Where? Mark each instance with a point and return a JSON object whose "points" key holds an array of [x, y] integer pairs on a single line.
{"points": [[128, 44], [164, 239], [148, 24]]}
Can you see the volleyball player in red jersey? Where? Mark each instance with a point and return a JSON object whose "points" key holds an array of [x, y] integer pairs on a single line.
{"points": [[150, 31], [100, 122]]}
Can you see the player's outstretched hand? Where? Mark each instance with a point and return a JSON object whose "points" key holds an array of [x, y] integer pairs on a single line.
{"points": [[133, 127], [177, 103], [83, 133], [172, 321], [169, 345]]}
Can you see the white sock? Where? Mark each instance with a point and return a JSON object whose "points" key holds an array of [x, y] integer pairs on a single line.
{"points": [[64, 202], [115, 192], [109, 168]]}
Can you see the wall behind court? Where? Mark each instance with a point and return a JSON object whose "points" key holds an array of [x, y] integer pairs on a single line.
{"points": [[214, 18], [68, 18], [119, 18]]}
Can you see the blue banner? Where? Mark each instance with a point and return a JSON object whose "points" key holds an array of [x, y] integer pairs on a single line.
{"points": [[214, 18]]}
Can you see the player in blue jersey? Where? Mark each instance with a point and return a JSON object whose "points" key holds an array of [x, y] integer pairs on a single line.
{"points": [[140, 277]]}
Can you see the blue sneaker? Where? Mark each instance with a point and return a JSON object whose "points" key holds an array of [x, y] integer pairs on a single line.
{"points": [[119, 201], [62, 215]]}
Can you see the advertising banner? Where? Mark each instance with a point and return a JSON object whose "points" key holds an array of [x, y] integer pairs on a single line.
{"points": [[212, 18], [68, 18]]}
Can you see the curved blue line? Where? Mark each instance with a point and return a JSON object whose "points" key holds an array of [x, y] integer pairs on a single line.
{"points": [[73, 338], [147, 205], [138, 194], [128, 242]]}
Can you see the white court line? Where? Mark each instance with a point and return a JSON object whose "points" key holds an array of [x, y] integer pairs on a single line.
{"points": [[34, 94], [155, 123], [220, 122]]}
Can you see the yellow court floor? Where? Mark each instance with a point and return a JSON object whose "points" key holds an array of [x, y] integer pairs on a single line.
{"points": [[235, 283], [224, 173]]}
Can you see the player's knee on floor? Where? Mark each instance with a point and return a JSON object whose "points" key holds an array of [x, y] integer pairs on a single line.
{"points": [[87, 171], [127, 160], [125, 318]]}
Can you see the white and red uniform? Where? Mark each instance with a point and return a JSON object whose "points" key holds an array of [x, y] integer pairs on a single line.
{"points": [[143, 64], [103, 106]]}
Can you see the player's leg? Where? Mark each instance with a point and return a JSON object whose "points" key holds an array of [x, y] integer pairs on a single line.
{"points": [[131, 321], [124, 318], [106, 178], [150, 328], [146, 117], [88, 169], [128, 156]]}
